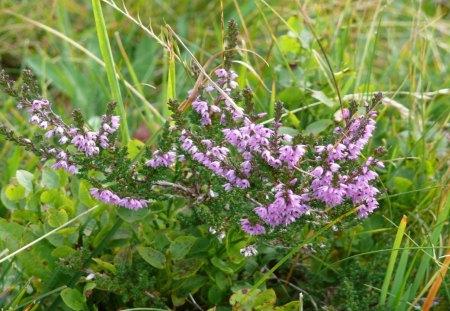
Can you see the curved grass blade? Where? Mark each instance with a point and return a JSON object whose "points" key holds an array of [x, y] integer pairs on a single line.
{"points": [[105, 49]]}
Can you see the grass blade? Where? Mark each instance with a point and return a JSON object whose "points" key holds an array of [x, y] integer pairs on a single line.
{"points": [[392, 259], [437, 283], [105, 49]]}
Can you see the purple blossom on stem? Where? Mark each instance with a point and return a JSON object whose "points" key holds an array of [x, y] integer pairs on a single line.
{"points": [[110, 197], [162, 159], [255, 229]]}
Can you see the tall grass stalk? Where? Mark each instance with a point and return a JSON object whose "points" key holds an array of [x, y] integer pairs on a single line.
{"points": [[105, 49], [392, 259]]}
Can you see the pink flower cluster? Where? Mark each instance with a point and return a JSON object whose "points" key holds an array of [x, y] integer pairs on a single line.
{"points": [[330, 182], [331, 176], [215, 159], [87, 142], [62, 162], [110, 197], [332, 185], [285, 209], [162, 159], [255, 229]]}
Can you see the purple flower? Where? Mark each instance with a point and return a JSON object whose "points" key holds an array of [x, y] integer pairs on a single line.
{"points": [[165, 159], [291, 154], [285, 209], [255, 229], [221, 73], [110, 197]]}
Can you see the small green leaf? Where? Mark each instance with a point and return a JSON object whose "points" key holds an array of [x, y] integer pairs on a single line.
{"points": [[63, 251], [265, 300], [288, 44], [192, 285], [24, 216], [215, 295], [291, 97], [15, 192], [152, 256], [7, 202], [25, 179], [50, 179], [402, 184], [88, 287], [105, 265], [177, 301], [219, 263], [84, 196], [185, 268], [134, 147], [242, 301], [221, 280], [287, 130], [320, 96], [56, 217], [181, 246], [49, 197], [73, 299], [318, 126], [291, 306], [130, 215]]}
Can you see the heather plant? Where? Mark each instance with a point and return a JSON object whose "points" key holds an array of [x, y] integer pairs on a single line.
{"points": [[233, 169], [245, 197]]}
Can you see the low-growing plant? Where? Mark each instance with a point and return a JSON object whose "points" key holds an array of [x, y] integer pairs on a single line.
{"points": [[217, 170]]}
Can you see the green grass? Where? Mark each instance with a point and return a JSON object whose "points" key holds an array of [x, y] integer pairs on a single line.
{"points": [[88, 53]]}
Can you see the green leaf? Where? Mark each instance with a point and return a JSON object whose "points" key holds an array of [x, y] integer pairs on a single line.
{"points": [[15, 193], [320, 96], [219, 263], [402, 184], [177, 301], [181, 246], [56, 217], [7, 202], [73, 299], [24, 216], [130, 215], [134, 148], [50, 179], [49, 197], [152, 256], [318, 126], [105, 265], [215, 295], [291, 306], [84, 196], [221, 280], [288, 44], [25, 179], [242, 301], [88, 287], [287, 130], [63, 251], [185, 268], [192, 285], [265, 300], [291, 97]]}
